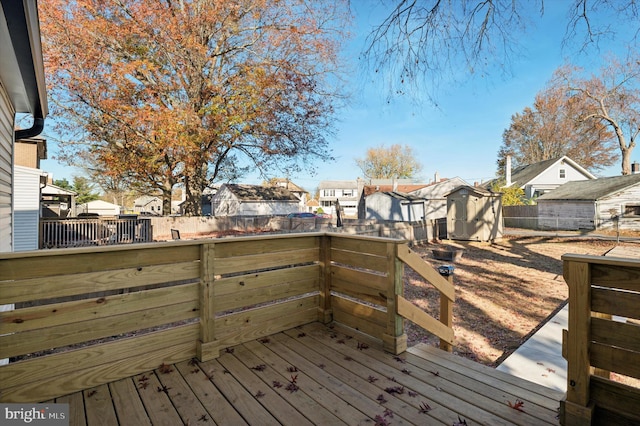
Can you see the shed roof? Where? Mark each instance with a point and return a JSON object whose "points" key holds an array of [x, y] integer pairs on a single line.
{"points": [[476, 189], [591, 190], [246, 192]]}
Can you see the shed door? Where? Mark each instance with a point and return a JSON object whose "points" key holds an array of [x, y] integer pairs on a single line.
{"points": [[466, 217]]}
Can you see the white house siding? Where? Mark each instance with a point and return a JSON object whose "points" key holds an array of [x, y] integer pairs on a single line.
{"points": [[26, 208], [566, 214], [7, 115], [617, 202], [550, 179]]}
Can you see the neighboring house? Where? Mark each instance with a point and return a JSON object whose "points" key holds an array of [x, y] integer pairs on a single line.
{"points": [[29, 152], [296, 190], [435, 195], [394, 206], [253, 200], [22, 90], [592, 204], [57, 202], [28, 181], [474, 214], [99, 207], [346, 192], [312, 206], [26, 207], [148, 205], [543, 177]]}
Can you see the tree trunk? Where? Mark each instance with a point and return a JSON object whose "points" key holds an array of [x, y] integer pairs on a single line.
{"points": [[626, 161], [195, 184]]}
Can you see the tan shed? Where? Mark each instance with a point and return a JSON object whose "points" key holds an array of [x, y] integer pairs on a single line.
{"points": [[474, 214]]}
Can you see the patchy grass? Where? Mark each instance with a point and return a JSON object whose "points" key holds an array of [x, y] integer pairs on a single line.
{"points": [[504, 292]]}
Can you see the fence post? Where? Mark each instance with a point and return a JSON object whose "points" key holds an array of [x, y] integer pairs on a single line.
{"points": [[395, 339], [446, 315], [207, 347], [576, 408], [325, 313]]}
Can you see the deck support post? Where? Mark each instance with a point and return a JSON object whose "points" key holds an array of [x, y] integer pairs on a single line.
{"points": [[325, 312], [576, 405], [395, 339], [207, 346]]}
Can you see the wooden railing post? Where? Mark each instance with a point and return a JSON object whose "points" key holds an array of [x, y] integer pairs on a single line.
{"points": [[446, 316], [325, 313], [395, 339], [207, 346], [576, 408]]}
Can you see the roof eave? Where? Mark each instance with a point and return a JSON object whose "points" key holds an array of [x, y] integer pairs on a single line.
{"points": [[22, 67]]}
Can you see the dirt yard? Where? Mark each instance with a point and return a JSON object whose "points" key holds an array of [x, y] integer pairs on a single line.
{"points": [[504, 292]]}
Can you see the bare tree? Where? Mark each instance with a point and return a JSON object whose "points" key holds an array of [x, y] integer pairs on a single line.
{"points": [[422, 41], [553, 127], [612, 99]]}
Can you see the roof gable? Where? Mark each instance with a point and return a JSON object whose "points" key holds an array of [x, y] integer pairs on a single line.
{"points": [[523, 175]]}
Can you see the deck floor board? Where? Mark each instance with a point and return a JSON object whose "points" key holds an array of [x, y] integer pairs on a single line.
{"points": [[341, 377]]}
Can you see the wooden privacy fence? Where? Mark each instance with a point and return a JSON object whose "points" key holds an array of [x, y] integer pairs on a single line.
{"points": [[597, 344], [62, 233], [85, 317]]}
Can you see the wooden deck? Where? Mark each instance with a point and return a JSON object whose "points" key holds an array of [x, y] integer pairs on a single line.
{"points": [[316, 374]]}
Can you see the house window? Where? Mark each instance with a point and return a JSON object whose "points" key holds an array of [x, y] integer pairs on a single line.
{"points": [[329, 192], [347, 193], [632, 210], [563, 173]]}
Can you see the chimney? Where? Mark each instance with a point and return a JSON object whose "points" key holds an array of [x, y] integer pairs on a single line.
{"points": [[507, 170], [436, 177], [635, 168], [476, 184]]}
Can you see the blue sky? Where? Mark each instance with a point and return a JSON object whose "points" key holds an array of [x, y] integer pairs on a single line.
{"points": [[461, 136]]}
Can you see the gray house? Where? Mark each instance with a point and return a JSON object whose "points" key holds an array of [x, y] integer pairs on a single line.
{"points": [[22, 90], [253, 200], [394, 206], [592, 204], [435, 196]]}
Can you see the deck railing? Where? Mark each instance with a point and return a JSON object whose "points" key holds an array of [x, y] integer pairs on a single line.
{"points": [[75, 232], [89, 316], [603, 337]]}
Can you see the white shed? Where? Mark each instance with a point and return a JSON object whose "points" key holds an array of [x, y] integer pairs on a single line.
{"points": [[99, 207], [253, 200], [591, 204], [26, 204]]}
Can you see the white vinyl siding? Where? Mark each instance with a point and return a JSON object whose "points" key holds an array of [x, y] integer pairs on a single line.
{"points": [[26, 208], [7, 115]]}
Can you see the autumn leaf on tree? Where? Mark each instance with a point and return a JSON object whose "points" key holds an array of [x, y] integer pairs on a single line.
{"points": [[159, 94]]}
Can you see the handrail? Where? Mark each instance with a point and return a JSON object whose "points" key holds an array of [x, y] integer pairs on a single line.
{"points": [[596, 344], [116, 311], [442, 328]]}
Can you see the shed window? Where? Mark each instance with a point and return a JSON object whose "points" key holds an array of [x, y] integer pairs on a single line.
{"points": [[563, 173], [632, 210]]}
